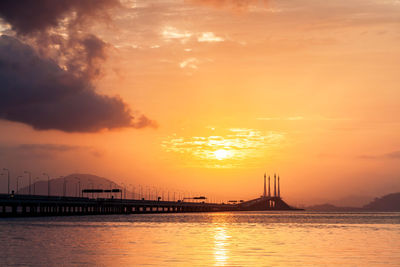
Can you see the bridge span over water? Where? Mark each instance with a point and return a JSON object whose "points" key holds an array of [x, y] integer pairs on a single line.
{"points": [[18, 205], [29, 206]]}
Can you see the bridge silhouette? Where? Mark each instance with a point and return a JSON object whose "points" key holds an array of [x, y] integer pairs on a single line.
{"points": [[24, 205]]}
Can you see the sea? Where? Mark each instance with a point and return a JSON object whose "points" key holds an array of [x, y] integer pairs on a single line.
{"points": [[297, 238]]}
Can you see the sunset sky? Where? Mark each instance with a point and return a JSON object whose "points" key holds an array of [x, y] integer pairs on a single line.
{"points": [[204, 96]]}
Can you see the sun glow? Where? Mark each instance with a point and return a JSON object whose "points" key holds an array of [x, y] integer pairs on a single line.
{"points": [[231, 149], [221, 154]]}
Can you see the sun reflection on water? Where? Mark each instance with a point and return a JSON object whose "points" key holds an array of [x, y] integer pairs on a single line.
{"points": [[221, 252]]}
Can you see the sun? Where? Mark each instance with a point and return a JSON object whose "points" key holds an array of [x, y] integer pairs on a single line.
{"points": [[221, 154]]}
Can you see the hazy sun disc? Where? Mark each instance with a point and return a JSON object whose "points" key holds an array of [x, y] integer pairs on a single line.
{"points": [[221, 154]]}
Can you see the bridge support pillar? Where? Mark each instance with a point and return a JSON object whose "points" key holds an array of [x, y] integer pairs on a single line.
{"points": [[14, 209]]}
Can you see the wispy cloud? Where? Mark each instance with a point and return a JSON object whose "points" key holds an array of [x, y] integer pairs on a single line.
{"points": [[395, 155], [47, 147], [45, 151], [190, 63], [209, 37], [171, 33], [236, 5]]}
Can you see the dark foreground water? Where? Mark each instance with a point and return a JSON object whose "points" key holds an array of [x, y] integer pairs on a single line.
{"points": [[204, 239]]}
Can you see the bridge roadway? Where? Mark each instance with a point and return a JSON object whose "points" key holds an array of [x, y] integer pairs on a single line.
{"points": [[30, 205]]}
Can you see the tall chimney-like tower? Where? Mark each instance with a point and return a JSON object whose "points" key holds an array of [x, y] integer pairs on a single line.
{"points": [[269, 186], [279, 187], [274, 185], [265, 185]]}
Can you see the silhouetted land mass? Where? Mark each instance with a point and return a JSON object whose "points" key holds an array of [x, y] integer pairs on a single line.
{"points": [[389, 202], [87, 181], [332, 208], [357, 201]]}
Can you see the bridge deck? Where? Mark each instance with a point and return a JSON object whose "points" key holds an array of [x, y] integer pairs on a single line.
{"points": [[30, 205]]}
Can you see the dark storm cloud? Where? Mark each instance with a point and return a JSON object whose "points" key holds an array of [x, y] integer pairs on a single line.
{"points": [[30, 16], [59, 28], [84, 55], [48, 83], [38, 92]]}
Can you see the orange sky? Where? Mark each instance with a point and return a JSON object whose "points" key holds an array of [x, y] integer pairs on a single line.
{"points": [[307, 89]]}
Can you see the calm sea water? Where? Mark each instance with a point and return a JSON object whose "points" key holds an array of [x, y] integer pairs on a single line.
{"points": [[204, 239]]}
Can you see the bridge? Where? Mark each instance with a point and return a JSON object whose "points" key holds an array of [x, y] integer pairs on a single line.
{"points": [[12, 205]]}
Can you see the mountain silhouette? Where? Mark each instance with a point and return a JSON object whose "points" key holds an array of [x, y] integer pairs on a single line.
{"points": [[352, 201], [389, 202], [87, 181], [332, 208]]}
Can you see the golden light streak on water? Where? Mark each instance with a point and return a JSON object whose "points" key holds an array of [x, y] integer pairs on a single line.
{"points": [[220, 246]]}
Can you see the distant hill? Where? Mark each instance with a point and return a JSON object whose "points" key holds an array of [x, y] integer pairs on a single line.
{"points": [[331, 208], [87, 181], [352, 201], [389, 202]]}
